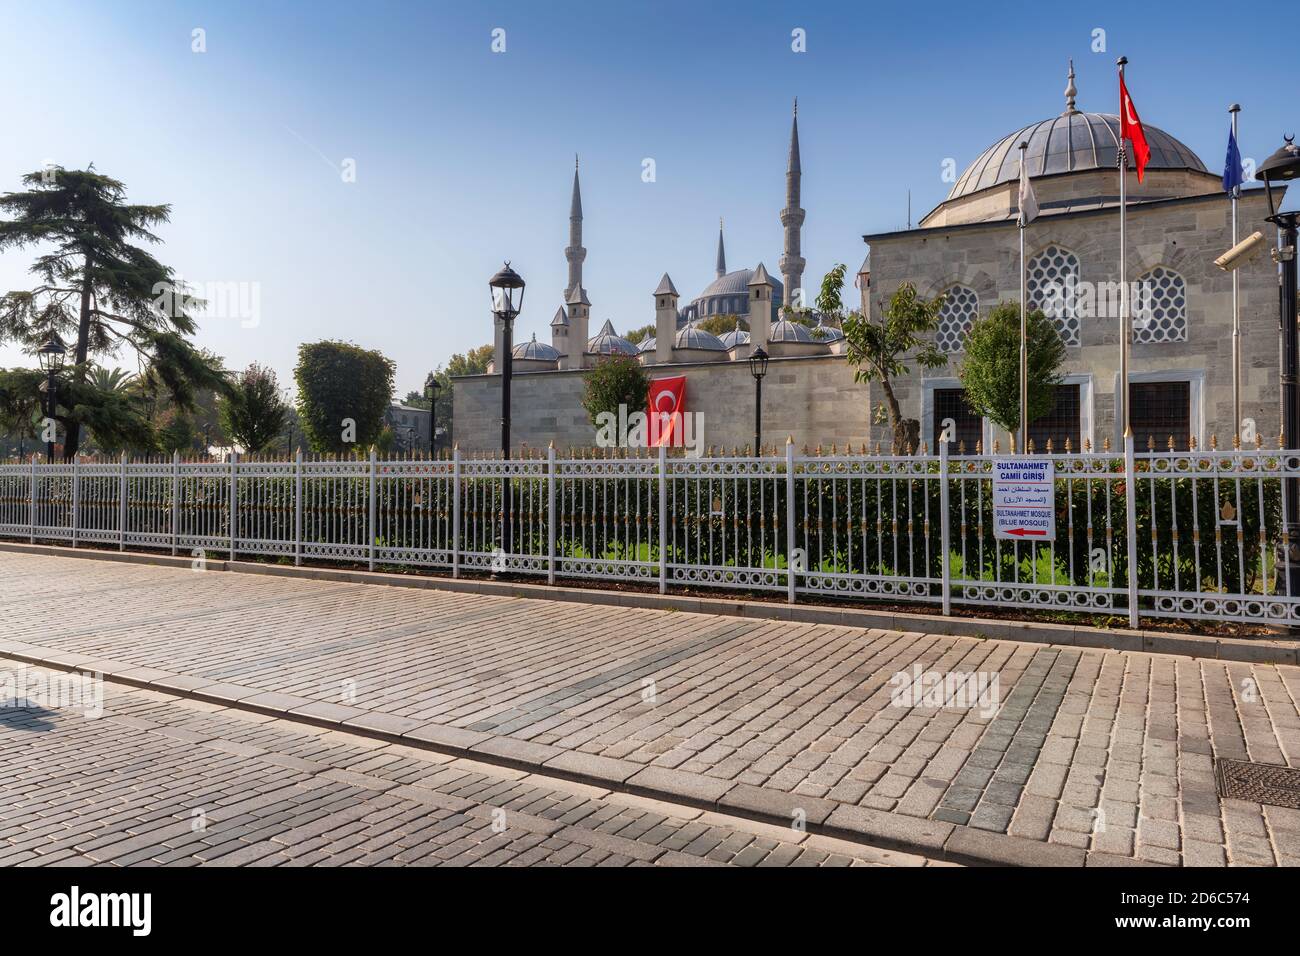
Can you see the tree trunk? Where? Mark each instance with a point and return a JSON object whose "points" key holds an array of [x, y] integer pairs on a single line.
{"points": [[907, 431], [72, 431]]}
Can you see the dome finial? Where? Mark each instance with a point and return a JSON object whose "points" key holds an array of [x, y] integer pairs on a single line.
{"points": [[1070, 90]]}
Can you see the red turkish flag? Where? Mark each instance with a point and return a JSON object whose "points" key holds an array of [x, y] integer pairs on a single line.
{"points": [[667, 402], [1130, 127]]}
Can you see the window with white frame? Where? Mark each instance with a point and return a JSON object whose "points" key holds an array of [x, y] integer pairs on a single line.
{"points": [[960, 306], [1052, 278], [1160, 312]]}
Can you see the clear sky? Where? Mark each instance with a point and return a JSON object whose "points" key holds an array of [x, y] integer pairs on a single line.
{"points": [[463, 156]]}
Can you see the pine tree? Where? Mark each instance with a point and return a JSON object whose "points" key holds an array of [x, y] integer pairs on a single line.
{"points": [[100, 291]]}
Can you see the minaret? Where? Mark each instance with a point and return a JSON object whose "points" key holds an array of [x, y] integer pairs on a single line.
{"points": [[721, 268], [574, 252], [665, 320], [792, 262]]}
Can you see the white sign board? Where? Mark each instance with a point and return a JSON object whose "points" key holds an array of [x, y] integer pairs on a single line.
{"points": [[1024, 507]]}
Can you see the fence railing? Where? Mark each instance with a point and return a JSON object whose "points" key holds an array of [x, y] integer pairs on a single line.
{"points": [[1197, 534]]}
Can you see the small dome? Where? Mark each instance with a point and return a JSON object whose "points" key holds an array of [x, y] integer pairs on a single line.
{"points": [[693, 337], [647, 344], [535, 351], [787, 331], [826, 333], [735, 337], [609, 342]]}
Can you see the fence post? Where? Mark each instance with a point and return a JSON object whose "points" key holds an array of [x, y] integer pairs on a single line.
{"points": [[790, 560], [550, 514], [234, 499], [76, 494], [297, 507], [370, 522], [455, 511], [944, 526], [176, 498], [121, 506], [663, 519], [1130, 508], [32, 503]]}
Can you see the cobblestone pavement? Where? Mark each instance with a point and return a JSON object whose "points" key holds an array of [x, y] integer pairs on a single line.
{"points": [[1100, 750], [160, 780]]}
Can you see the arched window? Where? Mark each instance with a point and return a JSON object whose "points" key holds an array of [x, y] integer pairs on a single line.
{"points": [[1160, 307], [960, 305], [1052, 284]]}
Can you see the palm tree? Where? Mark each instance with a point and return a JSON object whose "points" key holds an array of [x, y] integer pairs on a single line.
{"points": [[111, 380]]}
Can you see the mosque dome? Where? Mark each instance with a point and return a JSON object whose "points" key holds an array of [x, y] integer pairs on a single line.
{"points": [[735, 337], [692, 337], [787, 331], [535, 351], [647, 345], [826, 333], [609, 342], [729, 295]]}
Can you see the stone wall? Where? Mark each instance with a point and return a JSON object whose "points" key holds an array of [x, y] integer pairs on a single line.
{"points": [[1184, 235], [813, 399]]}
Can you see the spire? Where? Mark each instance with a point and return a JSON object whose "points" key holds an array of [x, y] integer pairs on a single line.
{"points": [[574, 252], [721, 268], [1070, 91], [792, 262]]}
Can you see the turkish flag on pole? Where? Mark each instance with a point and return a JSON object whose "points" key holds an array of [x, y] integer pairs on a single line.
{"points": [[1131, 128], [667, 402]]}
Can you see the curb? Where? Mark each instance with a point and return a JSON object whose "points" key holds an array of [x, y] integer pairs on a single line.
{"points": [[875, 828], [1243, 650]]}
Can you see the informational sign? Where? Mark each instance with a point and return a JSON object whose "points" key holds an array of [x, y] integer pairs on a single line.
{"points": [[1024, 506]]}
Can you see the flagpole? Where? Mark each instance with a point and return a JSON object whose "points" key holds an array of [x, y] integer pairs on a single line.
{"points": [[1234, 109], [1125, 326], [1024, 327]]}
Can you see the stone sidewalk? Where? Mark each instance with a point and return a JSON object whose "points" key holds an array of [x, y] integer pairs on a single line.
{"points": [[161, 780], [1091, 756]]}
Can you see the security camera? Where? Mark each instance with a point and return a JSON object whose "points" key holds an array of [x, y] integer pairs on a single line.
{"points": [[1241, 253]]}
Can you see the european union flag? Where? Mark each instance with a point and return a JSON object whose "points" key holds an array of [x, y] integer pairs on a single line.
{"points": [[1232, 165]]}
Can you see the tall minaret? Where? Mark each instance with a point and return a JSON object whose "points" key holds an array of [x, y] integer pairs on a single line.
{"points": [[792, 262], [721, 268], [574, 252]]}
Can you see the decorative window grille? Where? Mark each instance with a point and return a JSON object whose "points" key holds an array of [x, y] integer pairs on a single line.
{"points": [[1160, 411], [960, 305], [1052, 281], [951, 403], [1160, 311]]}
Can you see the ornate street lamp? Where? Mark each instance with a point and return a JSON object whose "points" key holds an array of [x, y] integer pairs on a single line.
{"points": [[507, 300], [51, 354], [1282, 167], [758, 368], [431, 389]]}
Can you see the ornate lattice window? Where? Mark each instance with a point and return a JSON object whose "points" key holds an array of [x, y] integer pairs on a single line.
{"points": [[960, 304], [1052, 284], [1160, 307]]}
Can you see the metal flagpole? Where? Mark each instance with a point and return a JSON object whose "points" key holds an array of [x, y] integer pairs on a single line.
{"points": [[1125, 326], [1024, 327], [1234, 109]]}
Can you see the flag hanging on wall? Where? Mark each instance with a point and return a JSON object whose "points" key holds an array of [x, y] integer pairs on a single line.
{"points": [[1130, 126], [667, 401]]}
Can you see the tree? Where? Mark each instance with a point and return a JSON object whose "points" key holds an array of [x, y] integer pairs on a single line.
{"points": [[881, 351], [176, 433], [637, 336], [111, 380], [720, 325], [253, 414], [615, 380], [99, 290], [343, 392], [990, 373], [473, 362]]}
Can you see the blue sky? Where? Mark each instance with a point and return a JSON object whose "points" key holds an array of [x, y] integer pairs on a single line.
{"points": [[464, 157]]}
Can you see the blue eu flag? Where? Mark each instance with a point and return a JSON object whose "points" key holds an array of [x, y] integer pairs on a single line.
{"points": [[1232, 165]]}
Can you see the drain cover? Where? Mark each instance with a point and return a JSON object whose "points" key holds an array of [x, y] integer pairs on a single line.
{"points": [[1259, 783]]}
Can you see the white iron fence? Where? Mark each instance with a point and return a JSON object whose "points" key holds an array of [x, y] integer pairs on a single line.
{"points": [[1198, 534]]}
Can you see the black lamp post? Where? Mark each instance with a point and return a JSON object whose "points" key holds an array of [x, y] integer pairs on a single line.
{"points": [[1282, 167], [758, 368], [432, 387], [507, 299], [51, 354]]}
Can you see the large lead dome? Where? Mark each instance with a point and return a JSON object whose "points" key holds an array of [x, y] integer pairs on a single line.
{"points": [[1071, 142]]}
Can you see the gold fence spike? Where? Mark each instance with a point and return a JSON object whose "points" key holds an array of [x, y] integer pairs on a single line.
{"points": [[1214, 442], [1192, 443], [1151, 442], [1029, 446], [997, 446], [1105, 443], [1049, 445]]}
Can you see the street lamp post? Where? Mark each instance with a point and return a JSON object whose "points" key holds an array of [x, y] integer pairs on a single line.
{"points": [[507, 300], [1282, 167], [51, 354], [432, 387], [758, 368]]}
